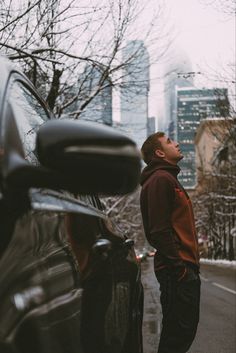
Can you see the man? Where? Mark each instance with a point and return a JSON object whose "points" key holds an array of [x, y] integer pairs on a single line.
{"points": [[169, 227]]}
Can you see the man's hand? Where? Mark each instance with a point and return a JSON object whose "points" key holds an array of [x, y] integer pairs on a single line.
{"points": [[188, 274]]}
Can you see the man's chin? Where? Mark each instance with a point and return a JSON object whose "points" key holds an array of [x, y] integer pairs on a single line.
{"points": [[181, 157]]}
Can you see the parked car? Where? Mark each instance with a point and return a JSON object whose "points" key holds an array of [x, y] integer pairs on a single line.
{"points": [[69, 281]]}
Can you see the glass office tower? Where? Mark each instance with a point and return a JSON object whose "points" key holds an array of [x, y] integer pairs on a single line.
{"points": [[134, 91], [193, 105]]}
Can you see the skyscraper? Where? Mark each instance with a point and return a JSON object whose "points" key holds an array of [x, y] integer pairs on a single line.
{"points": [[100, 107], [177, 74], [151, 125], [193, 105], [134, 91]]}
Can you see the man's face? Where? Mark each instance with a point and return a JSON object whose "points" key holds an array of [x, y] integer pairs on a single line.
{"points": [[170, 150]]}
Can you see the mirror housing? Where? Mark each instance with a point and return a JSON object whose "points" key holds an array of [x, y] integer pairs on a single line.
{"points": [[88, 157]]}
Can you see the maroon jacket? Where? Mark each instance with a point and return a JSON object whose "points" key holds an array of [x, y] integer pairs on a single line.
{"points": [[168, 218]]}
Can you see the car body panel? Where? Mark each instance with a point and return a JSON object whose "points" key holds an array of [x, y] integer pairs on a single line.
{"points": [[69, 282]]}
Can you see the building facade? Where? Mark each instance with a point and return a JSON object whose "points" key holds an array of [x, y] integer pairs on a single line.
{"points": [[178, 73], [209, 139], [134, 91], [100, 108], [151, 125], [194, 105]]}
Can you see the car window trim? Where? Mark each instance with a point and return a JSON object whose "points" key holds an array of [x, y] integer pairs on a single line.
{"points": [[49, 200], [17, 77]]}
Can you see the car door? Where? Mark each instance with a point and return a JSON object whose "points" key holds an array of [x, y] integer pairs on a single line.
{"points": [[69, 281], [113, 294], [40, 295]]}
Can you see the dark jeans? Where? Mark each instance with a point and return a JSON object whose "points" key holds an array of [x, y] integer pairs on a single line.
{"points": [[180, 303]]}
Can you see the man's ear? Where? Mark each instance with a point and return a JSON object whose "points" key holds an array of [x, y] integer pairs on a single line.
{"points": [[159, 153]]}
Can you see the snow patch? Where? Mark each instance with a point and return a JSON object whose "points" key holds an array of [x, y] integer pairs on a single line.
{"points": [[222, 263]]}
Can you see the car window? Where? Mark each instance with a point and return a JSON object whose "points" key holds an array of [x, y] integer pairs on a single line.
{"points": [[82, 230], [29, 114], [92, 200]]}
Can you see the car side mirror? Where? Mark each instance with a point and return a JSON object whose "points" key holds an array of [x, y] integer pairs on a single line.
{"points": [[93, 158]]}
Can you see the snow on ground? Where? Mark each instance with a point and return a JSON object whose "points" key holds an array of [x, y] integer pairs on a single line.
{"points": [[222, 263]]}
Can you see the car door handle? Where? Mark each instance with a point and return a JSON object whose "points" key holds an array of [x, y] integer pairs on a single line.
{"points": [[128, 243], [101, 248]]}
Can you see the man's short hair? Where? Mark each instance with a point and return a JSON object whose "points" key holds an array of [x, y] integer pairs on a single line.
{"points": [[151, 144]]}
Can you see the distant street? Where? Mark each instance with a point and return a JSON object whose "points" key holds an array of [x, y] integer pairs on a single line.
{"points": [[217, 327]]}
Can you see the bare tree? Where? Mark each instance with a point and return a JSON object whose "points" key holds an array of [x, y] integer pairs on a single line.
{"points": [[61, 43], [125, 210], [226, 6], [215, 210], [215, 199], [215, 204]]}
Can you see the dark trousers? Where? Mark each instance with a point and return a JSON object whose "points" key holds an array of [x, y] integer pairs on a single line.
{"points": [[180, 303]]}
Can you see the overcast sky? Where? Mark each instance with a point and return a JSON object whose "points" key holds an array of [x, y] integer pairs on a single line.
{"points": [[205, 34]]}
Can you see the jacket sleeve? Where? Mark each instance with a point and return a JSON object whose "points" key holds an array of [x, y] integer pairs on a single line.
{"points": [[161, 198]]}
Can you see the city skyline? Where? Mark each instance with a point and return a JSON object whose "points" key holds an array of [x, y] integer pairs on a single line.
{"points": [[205, 35]]}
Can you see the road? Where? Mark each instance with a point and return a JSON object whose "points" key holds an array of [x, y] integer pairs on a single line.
{"points": [[217, 326]]}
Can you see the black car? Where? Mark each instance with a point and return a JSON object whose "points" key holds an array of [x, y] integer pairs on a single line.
{"points": [[69, 281]]}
